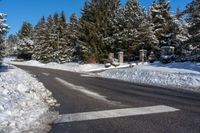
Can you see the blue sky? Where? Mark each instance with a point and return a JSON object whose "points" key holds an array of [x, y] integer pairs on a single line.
{"points": [[19, 11]]}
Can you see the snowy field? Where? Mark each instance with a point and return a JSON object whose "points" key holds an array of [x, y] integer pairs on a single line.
{"points": [[25, 104], [174, 75], [74, 67]]}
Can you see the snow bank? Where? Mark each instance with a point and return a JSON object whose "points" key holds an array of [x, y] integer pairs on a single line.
{"points": [[74, 67], [24, 103], [9, 59], [174, 75]]}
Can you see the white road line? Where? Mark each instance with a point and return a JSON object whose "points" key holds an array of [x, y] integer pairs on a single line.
{"points": [[87, 75], [81, 89], [46, 74], [114, 113], [88, 92]]}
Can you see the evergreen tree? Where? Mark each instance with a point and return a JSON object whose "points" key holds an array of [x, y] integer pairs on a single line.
{"points": [[74, 38], [25, 43], [65, 48], [180, 32], [11, 45], [26, 31], [169, 29], [193, 18], [131, 29], [95, 26], [40, 41], [51, 49], [3, 27], [3, 30], [160, 16], [52, 40]]}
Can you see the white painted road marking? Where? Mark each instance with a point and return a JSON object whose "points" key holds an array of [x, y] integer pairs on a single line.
{"points": [[87, 92], [46, 74], [81, 89], [87, 75], [114, 113]]}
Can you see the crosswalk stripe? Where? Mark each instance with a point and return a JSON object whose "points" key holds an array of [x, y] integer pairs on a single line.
{"points": [[95, 115]]}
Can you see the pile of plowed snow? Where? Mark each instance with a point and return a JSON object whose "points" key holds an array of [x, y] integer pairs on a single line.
{"points": [[25, 104], [173, 75], [74, 67]]}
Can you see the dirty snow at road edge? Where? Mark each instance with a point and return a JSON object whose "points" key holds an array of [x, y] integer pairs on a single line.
{"points": [[174, 75], [25, 104]]}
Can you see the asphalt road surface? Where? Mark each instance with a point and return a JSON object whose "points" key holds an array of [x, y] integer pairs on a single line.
{"points": [[90, 104]]}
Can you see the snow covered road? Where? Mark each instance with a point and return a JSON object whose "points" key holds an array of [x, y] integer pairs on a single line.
{"points": [[25, 104]]}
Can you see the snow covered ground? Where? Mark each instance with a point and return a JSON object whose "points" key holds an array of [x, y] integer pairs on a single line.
{"points": [[174, 75], [25, 104], [74, 67]]}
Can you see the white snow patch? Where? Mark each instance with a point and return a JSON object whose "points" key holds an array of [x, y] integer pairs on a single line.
{"points": [[74, 67], [173, 75], [24, 103]]}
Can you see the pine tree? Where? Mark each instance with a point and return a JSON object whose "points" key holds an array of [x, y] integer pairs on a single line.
{"points": [[40, 41], [74, 38], [65, 48], [3, 30], [180, 32], [52, 40], [163, 22], [11, 45], [95, 26], [51, 50], [26, 31], [193, 18], [25, 43], [3, 27], [131, 29]]}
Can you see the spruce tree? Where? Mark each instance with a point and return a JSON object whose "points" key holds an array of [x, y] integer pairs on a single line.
{"points": [[65, 48], [40, 41], [193, 18], [52, 40], [74, 38], [160, 16], [3, 30], [3, 27], [26, 31], [51, 49], [131, 29], [11, 45], [25, 42], [180, 31], [95, 26]]}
